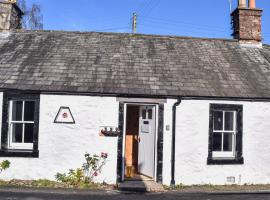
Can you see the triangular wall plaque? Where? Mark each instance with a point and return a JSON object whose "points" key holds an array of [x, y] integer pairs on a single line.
{"points": [[64, 116]]}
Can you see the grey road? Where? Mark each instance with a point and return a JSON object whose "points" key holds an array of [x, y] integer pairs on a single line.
{"points": [[36, 195]]}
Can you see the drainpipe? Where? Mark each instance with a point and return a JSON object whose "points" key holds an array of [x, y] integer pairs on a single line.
{"points": [[173, 143]]}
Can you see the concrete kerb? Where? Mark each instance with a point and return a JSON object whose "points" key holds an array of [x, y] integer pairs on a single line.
{"points": [[115, 192]]}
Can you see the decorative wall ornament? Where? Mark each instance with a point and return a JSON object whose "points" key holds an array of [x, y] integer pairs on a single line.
{"points": [[108, 131], [64, 116]]}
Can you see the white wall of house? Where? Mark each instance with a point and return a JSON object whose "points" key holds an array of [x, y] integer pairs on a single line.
{"points": [[192, 145], [62, 146]]}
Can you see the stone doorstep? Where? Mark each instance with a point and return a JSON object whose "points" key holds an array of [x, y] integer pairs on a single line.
{"points": [[141, 186]]}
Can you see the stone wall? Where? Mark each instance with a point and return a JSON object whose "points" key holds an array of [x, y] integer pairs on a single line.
{"points": [[10, 16], [247, 24]]}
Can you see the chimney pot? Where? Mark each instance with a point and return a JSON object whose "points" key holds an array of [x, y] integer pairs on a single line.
{"points": [[242, 3], [252, 4]]}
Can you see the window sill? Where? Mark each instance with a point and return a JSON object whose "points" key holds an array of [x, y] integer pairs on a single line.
{"points": [[224, 161], [19, 153]]}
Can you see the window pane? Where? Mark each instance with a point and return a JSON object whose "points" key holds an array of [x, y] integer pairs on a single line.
{"points": [[28, 133], [17, 110], [150, 114], [217, 137], [229, 121], [17, 133], [227, 143], [218, 120], [29, 108], [144, 114]]}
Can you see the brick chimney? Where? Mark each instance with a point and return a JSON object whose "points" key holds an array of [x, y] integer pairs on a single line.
{"points": [[10, 15], [246, 23]]}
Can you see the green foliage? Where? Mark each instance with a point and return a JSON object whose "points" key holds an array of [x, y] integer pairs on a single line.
{"points": [[93, 165], [74, 177], [4, 165], [84, 176]]}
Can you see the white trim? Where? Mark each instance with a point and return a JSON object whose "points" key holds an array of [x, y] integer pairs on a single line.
{"points": [[15, 145], [222, 153]]}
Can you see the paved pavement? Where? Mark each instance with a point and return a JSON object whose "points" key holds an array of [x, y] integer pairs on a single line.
{"points": [[27, 194]]}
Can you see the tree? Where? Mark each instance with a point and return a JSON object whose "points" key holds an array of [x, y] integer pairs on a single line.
{"points": [[33, 18]]}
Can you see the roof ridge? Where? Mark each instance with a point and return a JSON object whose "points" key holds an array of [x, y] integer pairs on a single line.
{"points": [[124, 34]]}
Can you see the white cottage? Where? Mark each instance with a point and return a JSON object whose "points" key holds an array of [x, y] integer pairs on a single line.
{"points": [[175, 109]]}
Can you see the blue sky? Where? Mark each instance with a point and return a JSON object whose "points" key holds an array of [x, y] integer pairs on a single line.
{"points": [[199, 18]]}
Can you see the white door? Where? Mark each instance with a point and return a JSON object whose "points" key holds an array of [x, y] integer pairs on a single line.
{"points": [[147, 130]]}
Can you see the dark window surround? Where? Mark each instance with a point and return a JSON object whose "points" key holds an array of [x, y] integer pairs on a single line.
{"points": [[239, 135], [14, 95]]}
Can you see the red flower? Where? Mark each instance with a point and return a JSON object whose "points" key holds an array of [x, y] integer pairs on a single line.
{"points": [[104, 155], [65, 115], [95, 174]]}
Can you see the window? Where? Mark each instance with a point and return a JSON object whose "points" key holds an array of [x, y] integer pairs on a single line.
{"points": [[225, 134], [20, 125]]}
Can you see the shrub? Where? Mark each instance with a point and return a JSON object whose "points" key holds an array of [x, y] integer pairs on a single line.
{"points": [[4, 165], [74, 177], [86, 174], [93, 166]]}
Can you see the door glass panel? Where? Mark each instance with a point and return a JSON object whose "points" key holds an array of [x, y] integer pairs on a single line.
{"points": [[229, 121], [17, 133], [144, 114], [17, 110], [227, 141], [218, 120], [28, 133], [29, 109], [217, 137], [150, 114]]}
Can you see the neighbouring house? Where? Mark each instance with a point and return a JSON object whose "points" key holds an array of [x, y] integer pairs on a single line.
{"points": [[175, 109]]}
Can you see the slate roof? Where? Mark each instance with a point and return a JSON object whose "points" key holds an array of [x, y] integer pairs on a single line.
{"points": [[113, 63]]}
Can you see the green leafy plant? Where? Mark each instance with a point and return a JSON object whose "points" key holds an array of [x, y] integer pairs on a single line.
{"points": [[73, 177], [86, 174], [93, 165], [4, 165]]}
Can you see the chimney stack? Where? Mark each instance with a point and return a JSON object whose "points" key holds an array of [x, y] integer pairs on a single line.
{"points": [[10, 15], [246, 23]]}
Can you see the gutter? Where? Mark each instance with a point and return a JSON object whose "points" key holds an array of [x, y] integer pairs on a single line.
{"points": [[173, 142]]}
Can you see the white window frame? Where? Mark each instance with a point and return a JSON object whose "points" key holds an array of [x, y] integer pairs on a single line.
{"points": [[13, 145], [226, 154]]}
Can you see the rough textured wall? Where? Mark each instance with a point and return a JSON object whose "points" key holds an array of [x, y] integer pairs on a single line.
{"points": [[5, 11], [62, 146], [247, 24], [192, 145], [10, 17]]}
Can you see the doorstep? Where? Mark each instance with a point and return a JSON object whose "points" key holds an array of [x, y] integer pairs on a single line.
{"points": [[140, 186]]}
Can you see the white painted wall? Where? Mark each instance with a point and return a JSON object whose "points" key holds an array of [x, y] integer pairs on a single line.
{"points": [[192, 145], [62, 146]]}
